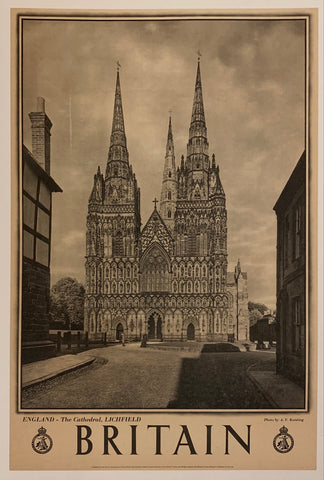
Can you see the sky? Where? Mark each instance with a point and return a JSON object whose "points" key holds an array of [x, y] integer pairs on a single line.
{"points": [[253, 90]]}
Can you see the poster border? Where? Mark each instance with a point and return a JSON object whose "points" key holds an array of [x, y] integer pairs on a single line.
{"points": [[161, 16], [268, 474]]}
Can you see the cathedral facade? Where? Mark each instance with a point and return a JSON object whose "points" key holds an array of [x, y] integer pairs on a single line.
{"points": [[168, 280]]}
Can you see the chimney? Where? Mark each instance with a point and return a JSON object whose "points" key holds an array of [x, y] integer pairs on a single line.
{"points": [[41, 133]]}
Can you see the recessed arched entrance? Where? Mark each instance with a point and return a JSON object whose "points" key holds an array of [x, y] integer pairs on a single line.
{"points": [[190, 332], [119, 331], [154, 326]]}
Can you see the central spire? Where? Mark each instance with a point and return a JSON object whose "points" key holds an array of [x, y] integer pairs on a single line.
{"points": [[169, 145], [118, 147], [197, 147], [169, 182]]}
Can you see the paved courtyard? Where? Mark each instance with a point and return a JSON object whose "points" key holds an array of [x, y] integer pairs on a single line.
{"points": [[134, 377]]}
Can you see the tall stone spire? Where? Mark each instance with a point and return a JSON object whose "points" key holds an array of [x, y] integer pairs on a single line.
{"points": [[198, 114], [169, 145], [118, 147], [197, 148], [169, 183]]}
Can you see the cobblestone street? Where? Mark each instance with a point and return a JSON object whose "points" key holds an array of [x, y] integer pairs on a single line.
{"points": [[134, 377]]}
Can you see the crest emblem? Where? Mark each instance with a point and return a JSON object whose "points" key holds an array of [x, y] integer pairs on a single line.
{"points": [[42, 442], [283, 442]]}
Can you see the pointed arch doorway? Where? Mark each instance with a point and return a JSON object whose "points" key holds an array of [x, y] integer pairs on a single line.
{"points": [[154, 326], [119, 331], [190, 332]]}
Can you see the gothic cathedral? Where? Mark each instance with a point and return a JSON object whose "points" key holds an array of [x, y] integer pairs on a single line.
{"points": [[170, 279]]}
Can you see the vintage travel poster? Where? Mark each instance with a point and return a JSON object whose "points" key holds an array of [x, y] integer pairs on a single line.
{"points": [[164, 253]]}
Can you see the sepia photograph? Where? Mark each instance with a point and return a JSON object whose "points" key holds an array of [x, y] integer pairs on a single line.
{"points": [[166, 248], [164, 213]]}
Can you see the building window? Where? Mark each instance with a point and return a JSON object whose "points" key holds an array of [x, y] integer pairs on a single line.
{"points": [[169, 195], [169, 174], [28, 245], [44, 196], [29, 212], [36, 218], [43, 223], [42, 251], [297, 337], [169, 213], [30, 181], [155, 273], [297, 231], [118, 245]]}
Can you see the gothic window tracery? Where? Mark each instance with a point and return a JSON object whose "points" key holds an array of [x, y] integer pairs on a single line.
{"points": [[155, 276]]}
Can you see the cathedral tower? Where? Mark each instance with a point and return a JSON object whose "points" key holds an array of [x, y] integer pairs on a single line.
{"points": [[169, 183], [113, 227], [197, 162]]}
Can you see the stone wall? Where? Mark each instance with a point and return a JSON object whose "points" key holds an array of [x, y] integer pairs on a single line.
{"points": [[35, 312]]}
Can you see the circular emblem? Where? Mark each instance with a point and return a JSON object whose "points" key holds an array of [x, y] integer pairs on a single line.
{"points": [[283, 442], [42, 443]]}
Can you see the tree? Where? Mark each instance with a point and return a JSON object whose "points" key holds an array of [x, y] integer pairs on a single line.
{"points": [[254, 316], [257, 306], [67, 304]]}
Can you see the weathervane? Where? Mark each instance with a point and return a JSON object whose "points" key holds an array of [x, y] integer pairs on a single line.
{"points": [[199, 55], [170, 112], [118, 65]]}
